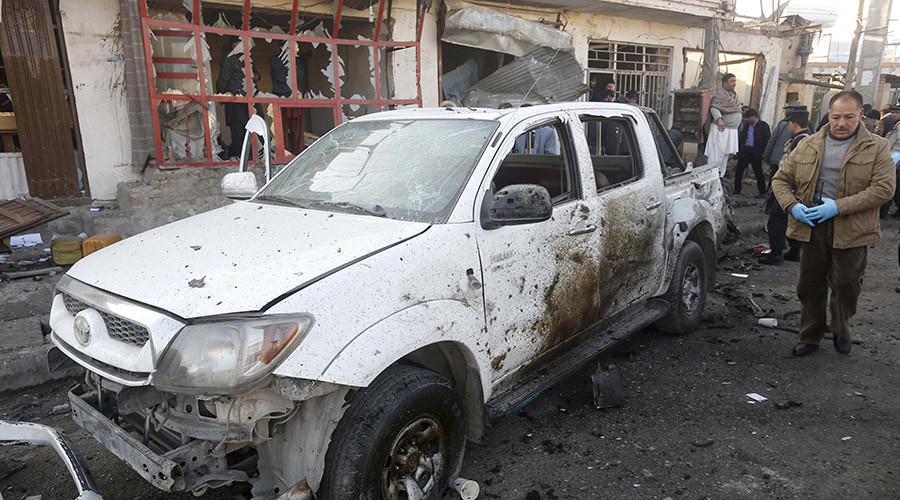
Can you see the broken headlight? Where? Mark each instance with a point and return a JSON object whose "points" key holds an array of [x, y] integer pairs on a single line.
{"points": [[229, 357]]}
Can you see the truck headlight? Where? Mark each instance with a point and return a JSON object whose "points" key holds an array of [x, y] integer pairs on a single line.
{"points": [[229, 357]]}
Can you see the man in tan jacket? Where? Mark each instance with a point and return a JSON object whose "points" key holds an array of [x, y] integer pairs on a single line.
{"points": [[832, 185]]}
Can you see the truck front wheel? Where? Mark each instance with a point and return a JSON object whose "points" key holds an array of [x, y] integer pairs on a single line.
{"points": [[687, 291], [401, 438]]}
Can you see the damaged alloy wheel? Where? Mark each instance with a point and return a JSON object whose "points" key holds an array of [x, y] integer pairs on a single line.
{"points": [[687, 291], [401, 439]]}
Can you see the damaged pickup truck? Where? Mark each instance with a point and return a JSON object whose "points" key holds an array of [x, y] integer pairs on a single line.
{"points": [[410, 275]]}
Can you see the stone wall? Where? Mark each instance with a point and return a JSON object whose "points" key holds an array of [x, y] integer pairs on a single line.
{"points": [[165, 196]]}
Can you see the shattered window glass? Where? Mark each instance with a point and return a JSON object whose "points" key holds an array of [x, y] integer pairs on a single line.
{"points": [[537, 158], [613, 151], [409, 170]]}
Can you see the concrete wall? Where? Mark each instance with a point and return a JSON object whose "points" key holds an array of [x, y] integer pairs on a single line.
{"points": [[92, 36], [404, 61]]}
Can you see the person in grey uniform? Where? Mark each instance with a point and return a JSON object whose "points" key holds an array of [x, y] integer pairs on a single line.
{"points": [[780, 136]]}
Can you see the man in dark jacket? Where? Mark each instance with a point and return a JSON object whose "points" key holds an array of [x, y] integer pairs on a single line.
{"points": [[776, 226], [780, 135], [751, 140]]}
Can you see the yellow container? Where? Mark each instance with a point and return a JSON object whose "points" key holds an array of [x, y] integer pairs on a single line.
{"points": [[66, 250], [98, 241]]}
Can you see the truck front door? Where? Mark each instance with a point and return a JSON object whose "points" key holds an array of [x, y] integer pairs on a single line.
{"points": [[540, 279]]}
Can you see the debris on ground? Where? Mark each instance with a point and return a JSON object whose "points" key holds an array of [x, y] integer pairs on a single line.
{"points": [[788, 405], [607, 386]]}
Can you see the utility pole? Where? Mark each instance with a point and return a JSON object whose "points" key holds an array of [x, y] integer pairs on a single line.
{"points": [[709, 72], [854, 45], [871, 50]]}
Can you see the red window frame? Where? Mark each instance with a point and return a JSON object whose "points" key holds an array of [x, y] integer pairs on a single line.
{"points": [[195, 28]]}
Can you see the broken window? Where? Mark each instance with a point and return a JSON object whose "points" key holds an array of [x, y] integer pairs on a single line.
{"points": [[539, 156], [642, 68], [282, 60], [748, 69], [614, 155]]}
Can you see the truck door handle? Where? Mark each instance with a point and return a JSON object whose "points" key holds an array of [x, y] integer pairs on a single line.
{"points": [[590, 228], [654, 205], [473, 281]]}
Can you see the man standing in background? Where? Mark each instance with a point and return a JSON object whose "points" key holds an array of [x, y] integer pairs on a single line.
{"points": [[725, 110], [775, 146], [751, 138]]}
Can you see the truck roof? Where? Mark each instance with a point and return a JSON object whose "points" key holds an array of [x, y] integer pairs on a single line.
{"points": [[458, 113]]}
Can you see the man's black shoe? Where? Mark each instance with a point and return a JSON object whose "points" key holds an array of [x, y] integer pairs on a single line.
{"points": [[897, 289], [793, 255], [841, 345], [802, 349], [772, 259]]}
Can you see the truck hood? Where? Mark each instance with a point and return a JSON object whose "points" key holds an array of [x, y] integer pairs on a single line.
{"points": [[237, 258]]}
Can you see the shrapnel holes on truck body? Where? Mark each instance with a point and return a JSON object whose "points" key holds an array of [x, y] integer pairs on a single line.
{"points": [[614, 151]]}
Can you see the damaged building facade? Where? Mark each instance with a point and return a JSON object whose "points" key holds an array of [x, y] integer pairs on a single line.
{"points": [[151, 92]]}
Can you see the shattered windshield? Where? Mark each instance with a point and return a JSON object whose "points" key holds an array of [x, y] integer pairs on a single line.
{"points": [[408, 169]]}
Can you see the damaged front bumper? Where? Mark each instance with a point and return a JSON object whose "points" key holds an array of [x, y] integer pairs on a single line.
{"points": [[168, 460], [19, 433]]}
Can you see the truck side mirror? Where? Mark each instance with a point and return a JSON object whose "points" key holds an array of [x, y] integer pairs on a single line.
{"points": [[239, 185], [520, 204]]}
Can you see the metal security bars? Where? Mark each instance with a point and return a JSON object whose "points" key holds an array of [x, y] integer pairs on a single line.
{"points": [[187, 109], [642, 68]]}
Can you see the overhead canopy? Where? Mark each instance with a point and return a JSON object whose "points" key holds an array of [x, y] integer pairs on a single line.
{"points": [[541, 76], [485, 28]]}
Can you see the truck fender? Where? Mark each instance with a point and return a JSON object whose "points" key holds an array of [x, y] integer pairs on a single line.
{"points": [[406, 331], [690, 219]]}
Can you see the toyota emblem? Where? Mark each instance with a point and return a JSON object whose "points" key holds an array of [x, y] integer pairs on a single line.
{"points": [[82, 331]]}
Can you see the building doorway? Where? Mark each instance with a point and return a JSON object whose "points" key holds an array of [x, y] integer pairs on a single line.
{"points": [[39, 88]]}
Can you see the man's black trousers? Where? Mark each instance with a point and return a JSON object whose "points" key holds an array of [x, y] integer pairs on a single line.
{"points": [[747, 156]]}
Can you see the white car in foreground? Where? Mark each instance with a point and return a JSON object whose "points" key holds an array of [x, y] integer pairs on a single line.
{"points": [[408, 276]]}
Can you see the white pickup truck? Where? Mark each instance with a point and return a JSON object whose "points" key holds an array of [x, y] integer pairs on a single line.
{"points": [[410, 275]]}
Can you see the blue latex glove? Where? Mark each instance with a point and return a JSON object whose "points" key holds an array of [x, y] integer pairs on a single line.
{"points": [[823, 212], [895, 156], [799, 212]]}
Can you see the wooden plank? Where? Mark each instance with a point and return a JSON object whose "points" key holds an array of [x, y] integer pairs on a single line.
{"points": [[52, 271], [19, 215], [12, 215]]}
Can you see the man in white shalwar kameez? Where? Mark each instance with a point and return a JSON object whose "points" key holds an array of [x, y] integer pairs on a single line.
{"points": [[725, 110]]}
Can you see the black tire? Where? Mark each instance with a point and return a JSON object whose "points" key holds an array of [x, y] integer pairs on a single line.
{"points": [[402, 402], [687, 291]]}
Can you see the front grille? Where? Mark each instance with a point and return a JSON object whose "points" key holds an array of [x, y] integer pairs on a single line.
{"points": [[73, 305], [118, 328]]}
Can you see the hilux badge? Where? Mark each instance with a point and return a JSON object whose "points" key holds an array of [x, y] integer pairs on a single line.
{"points": [[82, 331]]}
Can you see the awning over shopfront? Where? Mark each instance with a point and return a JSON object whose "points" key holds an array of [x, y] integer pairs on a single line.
{"points": [[485, 28], [541, 76]]}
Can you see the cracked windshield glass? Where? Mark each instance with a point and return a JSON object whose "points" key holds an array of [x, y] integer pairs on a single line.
{"points": [[410, 170]]}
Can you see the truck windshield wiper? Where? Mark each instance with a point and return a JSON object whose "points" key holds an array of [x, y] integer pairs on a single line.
{"points": [[284, 200], [377, 210]]}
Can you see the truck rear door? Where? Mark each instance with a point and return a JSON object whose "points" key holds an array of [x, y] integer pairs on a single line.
{"points": [[629, 186]]}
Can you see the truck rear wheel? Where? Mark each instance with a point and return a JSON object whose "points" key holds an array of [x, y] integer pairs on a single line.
{"points": [[687, 291], [401, 438]]}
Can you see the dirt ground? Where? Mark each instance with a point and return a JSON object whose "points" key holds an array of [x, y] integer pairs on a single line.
{"points": [[829, 428]]}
